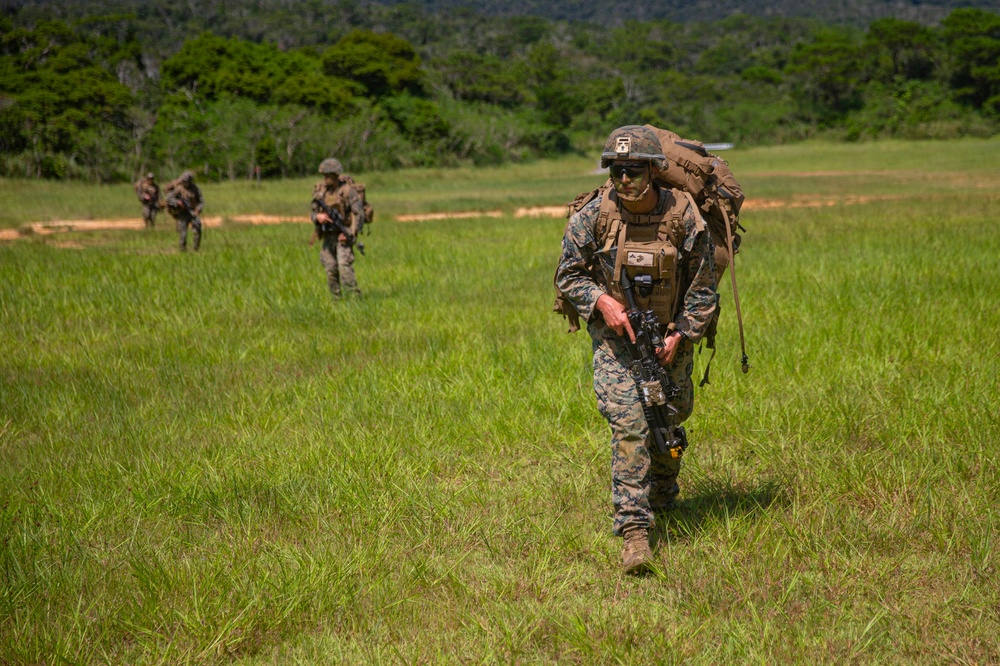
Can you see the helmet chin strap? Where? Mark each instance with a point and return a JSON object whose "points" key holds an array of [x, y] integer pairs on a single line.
{"points": [[637, 197]]}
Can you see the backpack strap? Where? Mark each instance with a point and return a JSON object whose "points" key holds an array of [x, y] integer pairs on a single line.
{"points": [[736, 295], [736, 303], [609, 224]]}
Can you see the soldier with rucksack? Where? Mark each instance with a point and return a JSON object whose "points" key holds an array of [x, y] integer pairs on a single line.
{"points": [[639, 231], [184, 203], [149, 196], [338, 216]]}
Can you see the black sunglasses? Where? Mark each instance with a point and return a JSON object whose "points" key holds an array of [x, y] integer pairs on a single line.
{"points": [[633, 170]]}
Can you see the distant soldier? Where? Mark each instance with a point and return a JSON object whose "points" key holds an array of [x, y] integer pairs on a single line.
{"points": [[338, 215], [149, 196], [184, 203]]}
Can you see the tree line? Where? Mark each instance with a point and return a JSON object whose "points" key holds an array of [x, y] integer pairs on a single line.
{"points": [[104, 97], [846, 12]]}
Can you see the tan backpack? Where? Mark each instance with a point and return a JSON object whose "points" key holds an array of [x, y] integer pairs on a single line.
{"points": [[174, 204], [717, 194], [369, 211], [714, 188]]}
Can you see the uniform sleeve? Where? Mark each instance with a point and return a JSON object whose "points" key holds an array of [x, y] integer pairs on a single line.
{"points": [[198, 200], [575, 273], [316, 194], [701, 298]]}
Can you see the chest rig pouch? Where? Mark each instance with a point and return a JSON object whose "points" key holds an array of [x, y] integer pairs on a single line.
{"points": [[647, 249], [335, 201]]}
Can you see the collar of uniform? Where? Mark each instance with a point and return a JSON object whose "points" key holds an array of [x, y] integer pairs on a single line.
{"points": [[652, 217]]}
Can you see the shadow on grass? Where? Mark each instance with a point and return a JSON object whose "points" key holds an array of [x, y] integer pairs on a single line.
{"points": [[716, 501]]}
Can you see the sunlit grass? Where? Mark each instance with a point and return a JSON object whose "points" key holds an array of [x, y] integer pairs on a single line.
{"points": [[202, 459], [906, 171]]}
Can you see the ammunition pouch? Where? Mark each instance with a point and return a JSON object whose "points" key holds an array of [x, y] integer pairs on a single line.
{"points": [[656, 259]]}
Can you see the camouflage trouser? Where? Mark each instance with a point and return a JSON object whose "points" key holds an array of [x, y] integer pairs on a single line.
{"points": [[643, 481], [182, 231], [338, 261], [149, 215]]}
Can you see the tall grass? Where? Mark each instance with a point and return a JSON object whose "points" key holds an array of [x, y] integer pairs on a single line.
{"points": [[203, 459], [392, 193], [901, 169]]}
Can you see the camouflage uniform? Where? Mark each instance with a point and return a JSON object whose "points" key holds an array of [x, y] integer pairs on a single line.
{"points": [[642, 481], [184, 202], [149, 196], [337, 256]]}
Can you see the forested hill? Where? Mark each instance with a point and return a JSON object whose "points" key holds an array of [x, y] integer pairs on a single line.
{"points": [[858, 13], [258, 16], [105, 89], [163, 25]]}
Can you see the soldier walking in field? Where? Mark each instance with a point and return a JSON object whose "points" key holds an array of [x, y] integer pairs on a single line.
{"points": [[149, 196], [184, 203], [657, 235], [338, 215]]}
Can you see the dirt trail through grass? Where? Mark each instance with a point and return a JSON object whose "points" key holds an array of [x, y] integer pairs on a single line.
{"points": [[62, 226]]}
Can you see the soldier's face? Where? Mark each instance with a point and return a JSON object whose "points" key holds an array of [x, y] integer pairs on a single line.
{"points": [[629, 178], [330, 179]]}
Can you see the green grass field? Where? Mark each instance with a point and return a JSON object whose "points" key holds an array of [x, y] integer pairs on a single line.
{"points": [[204, 460]]}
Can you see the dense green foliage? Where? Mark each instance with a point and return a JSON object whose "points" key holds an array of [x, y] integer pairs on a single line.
{"points": [[848, 12], [59, 96], [230, 91]]}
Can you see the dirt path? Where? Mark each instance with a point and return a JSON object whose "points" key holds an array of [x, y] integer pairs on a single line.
{"points": [[537, 211], [752, 204], [816, 202], [62, 226], [423, 217]]}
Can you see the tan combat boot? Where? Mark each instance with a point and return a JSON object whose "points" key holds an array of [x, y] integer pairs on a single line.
{"points": [[637, 557]]}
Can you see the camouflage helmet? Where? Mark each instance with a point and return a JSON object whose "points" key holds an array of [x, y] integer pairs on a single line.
{"points": [[331, 165], [635, 143], [187, 177]]}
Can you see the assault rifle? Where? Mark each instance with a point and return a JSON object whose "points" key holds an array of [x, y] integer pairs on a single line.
{"points": [[194, 212], [654, 385], [336, 223], [152, 202]]}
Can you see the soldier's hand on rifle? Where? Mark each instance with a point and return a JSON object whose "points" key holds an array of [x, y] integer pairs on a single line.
{"points": [[323, 218], [343, 238], [667, 352], [614, 316]]}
